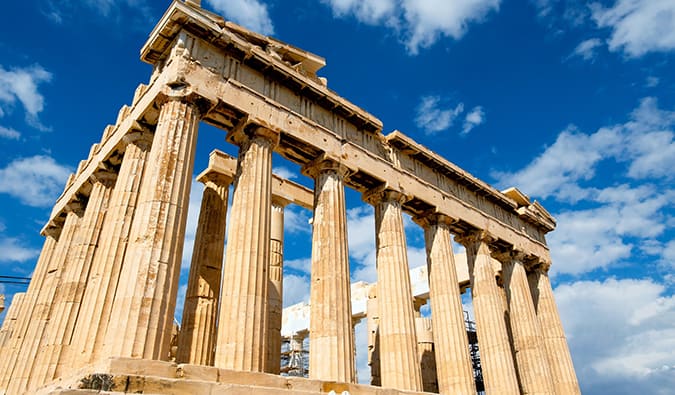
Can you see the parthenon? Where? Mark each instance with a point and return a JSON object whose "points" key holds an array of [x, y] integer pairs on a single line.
{"points": [[98, 314]]}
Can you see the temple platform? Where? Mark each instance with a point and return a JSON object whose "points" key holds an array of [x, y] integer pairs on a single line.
{"points": [[139, 376]]}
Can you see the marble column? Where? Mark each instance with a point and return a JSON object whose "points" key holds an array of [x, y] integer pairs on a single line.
{"points": [[275, 286], [242, 324], [89, 334], [453, 361], [427, 354], [13, 348], [373, 337], [555, 344], [331, 342], [142, 314], [28, 353], [499, 371], [197, 337], [530, 354], [399, 362], [9, 322], [68, 297]]}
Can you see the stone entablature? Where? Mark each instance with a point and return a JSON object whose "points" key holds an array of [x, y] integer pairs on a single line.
{"points": [[221, 76]]}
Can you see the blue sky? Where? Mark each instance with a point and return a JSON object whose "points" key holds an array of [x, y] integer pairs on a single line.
{"points": [[571, 101]]}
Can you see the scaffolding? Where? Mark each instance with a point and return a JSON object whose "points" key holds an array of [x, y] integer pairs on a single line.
{"points": [[474, 352]]}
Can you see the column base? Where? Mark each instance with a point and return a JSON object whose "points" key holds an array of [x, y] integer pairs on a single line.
{"points": [[127, 375]]}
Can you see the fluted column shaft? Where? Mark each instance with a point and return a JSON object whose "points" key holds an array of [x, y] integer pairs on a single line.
{"points": [[373, 337], [13, 348], [530, 354], [558, 354], [331, 342], [242, 328], [399, 362], [275, 287], [427, 353], [105, 271], [11, 316], [499, 372], [41, 313], [68, 297], [142, 314], [197, 338], [453, 361]]}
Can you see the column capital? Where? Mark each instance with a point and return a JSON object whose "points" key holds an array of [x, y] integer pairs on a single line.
{"points": [[139, 136], [325, 163], [279, 202], [75, 206], [180, 90], [247, 130], [476, 236], [509, 256], [215, 178], [105, 177], [431, 218], [384, 193]]}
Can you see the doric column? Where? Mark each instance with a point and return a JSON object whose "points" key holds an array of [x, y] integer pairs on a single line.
{"points": [[10, 320], [331, 343], [197, 338], [373, 322], [453, 361], [142, 315], [531, 360], [427, 353], [41, 313], [13, 348], [108, 260], [68, 297], [399, 363], [275, 287], [499, 372], [242, 328], [559, 358]]}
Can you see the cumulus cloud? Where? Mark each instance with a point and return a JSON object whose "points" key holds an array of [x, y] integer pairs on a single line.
{"points": [[638, 26], [296, 289], [35, 181], [251, 14], [620, 215], [474, 118], [21, 85], [196, 192], [622, 341], [587, 49], [9, 133], [420, 23], [433, 117], [284, 172], [13, 250]]}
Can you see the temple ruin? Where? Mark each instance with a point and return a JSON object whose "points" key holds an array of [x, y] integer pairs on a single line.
{"points": [[98, 314]]}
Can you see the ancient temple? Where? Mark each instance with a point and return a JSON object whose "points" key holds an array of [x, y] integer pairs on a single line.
{"points": [[98, 313]]}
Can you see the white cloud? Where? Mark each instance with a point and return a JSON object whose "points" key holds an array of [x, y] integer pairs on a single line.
{"points": [[180, 302], [36, 181], [13, 251], [22, 84], [301, 264], [9, 133], [428, 21], [420, 23], [284, 172], [587, 49], [474, 118], [622, 340], [296, 220], [59, 11], [296, 289], [251, 14], [652, 81], [619, 215], [432, 117], [638, 26]]}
